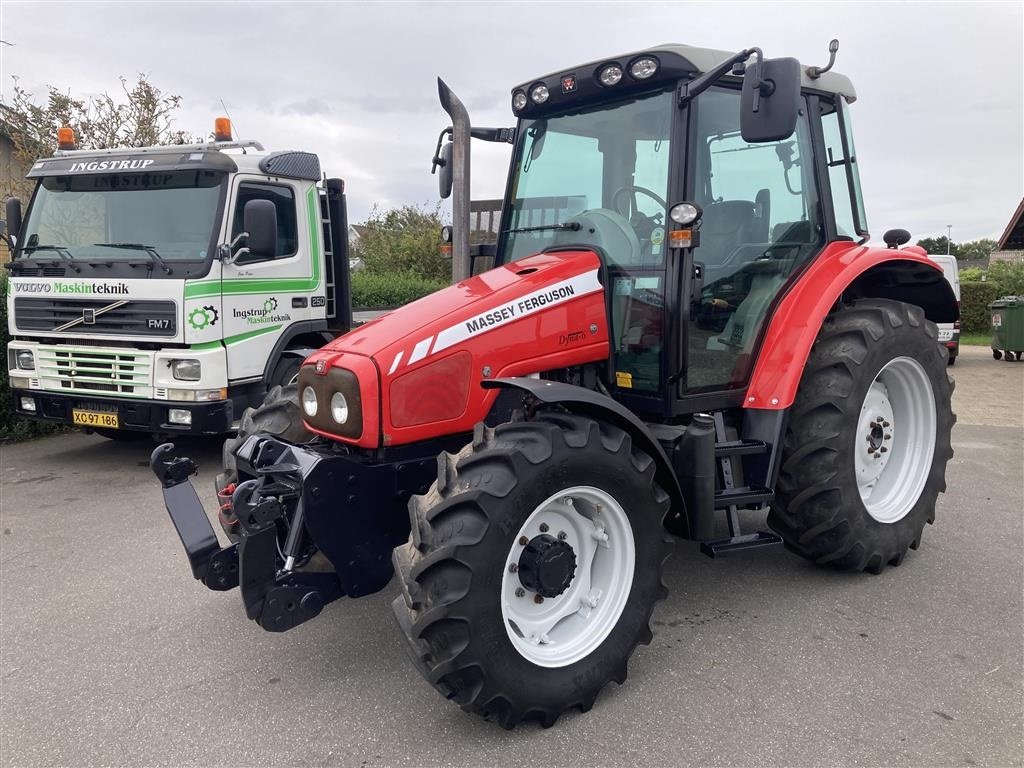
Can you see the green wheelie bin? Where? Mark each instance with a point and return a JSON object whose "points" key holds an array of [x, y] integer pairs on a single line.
{"points": [[1007, 318]]}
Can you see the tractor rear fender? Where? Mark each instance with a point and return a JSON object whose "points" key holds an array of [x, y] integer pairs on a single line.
{"points": [[843, 272], [598, 406]]}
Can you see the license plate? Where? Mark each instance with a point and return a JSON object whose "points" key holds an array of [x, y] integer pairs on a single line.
{"points": [[946, 335], [94, 419]]}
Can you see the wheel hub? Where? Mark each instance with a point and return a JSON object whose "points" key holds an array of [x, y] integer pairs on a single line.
{"points": [[547, 566]]}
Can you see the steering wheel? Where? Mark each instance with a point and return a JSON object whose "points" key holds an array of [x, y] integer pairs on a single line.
{"points": [[630, 188]]}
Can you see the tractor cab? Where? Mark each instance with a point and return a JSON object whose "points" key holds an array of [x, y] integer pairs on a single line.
{"points": [[700, 219]]}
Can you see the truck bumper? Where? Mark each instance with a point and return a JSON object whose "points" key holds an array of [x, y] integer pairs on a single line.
{"points": [[206, 418], [289, 503]]}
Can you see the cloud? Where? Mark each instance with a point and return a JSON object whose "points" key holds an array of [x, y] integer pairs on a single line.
{"points": [[938, 120]]}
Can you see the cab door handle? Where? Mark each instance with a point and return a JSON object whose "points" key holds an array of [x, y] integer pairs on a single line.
{"points": [[299, 302]]}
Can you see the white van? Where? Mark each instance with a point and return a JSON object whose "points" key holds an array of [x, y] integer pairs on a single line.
{"points": [[949, 333]]}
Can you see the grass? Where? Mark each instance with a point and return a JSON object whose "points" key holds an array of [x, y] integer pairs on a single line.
{"points": [[976, 339]]}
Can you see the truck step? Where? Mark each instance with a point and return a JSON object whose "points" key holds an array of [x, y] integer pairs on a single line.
{"points": [[724, 547], [742, 497], [740, 448]]}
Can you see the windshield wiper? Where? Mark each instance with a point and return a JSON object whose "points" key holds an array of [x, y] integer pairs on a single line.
{"points": [[573, 226], [149, 249], [63, 252]]}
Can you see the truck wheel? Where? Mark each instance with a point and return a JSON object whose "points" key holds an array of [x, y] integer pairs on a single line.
{"points": [[865, 452], [533, 567], [279, 415]]}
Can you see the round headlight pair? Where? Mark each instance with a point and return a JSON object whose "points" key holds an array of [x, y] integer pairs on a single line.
{"points": [[339, 405]]}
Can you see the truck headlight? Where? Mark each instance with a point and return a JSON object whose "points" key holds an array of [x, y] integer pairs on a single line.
{"points": [[26, 360], [186, 370], [339, 408], [309, 401]]}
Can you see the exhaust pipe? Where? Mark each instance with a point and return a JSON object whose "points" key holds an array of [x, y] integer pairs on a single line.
{"points": [[460, 180]]}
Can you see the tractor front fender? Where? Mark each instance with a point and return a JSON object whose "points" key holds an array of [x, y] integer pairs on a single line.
{"points": [[598, 406], [843, 272]]}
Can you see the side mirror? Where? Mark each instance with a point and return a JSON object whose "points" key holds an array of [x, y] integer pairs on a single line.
{"points": [[259, 220], [770, 101], [13, 211], [444, 178]]}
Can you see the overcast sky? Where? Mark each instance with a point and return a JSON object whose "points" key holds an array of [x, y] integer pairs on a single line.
{"points": [[939, 118]]}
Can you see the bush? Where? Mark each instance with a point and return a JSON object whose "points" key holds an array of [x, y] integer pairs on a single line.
{"points": [[405, 240], [1009, 275], [12, 426], [974, 300], [378, 291]]}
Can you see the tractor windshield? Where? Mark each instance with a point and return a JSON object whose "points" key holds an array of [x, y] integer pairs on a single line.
{"points": [[124, 220], [596, 177]]}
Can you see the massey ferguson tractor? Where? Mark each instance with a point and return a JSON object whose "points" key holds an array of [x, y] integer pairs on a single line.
{"points": [[681, 324]]}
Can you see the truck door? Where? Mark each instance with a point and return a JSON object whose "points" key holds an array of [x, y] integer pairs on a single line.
{"points": [[762, 221], [262, 299]]}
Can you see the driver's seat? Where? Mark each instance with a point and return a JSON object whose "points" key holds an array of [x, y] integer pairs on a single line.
{"points": [[725, 226]]}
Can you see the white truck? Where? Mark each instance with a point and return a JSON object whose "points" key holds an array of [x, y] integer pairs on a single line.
{"points": [[165, 289]]}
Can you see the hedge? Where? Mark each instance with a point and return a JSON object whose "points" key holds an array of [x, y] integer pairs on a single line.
{"points": [[379, 291], [12, 426], [974, 300]]}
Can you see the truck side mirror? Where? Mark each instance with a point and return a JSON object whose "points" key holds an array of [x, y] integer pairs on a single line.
{"points": [[259, 220], [13, 211], [770, 101], [444, 178]]}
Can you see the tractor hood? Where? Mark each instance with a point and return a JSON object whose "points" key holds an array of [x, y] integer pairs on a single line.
{"points": [[540, 313]]}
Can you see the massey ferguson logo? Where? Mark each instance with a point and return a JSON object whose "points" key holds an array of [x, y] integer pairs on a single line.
{"points": [[321, 367]]}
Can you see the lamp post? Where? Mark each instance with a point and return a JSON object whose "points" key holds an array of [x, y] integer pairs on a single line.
{"points": [[949, 230]]}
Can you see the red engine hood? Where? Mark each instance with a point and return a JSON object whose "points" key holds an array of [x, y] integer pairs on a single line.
{"points": [[540, 313]]}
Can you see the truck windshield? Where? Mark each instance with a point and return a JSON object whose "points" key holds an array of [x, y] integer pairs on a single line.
{"points": [[598, 176], [96, 218]]}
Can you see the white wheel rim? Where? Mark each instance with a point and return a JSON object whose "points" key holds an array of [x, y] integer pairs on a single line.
{"points": [[895, 440], [562, 630]]}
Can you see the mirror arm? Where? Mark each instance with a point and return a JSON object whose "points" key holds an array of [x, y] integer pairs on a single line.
{"points": [[692, 89], [436, 161]]}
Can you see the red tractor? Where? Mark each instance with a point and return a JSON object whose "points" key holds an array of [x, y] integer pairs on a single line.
{"points": [[681, 322]]}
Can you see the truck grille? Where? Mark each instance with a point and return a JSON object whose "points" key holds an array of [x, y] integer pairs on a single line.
{"points": [[96, 371], [96, 316]]}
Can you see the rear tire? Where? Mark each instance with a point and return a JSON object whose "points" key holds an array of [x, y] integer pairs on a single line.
{"points": [[875, 384], [461, 572]]}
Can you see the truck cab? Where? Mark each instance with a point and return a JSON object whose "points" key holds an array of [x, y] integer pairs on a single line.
{"points": [[140, 301]]}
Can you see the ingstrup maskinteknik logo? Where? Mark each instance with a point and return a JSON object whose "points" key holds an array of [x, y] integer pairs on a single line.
{"points": [[263, 314]]}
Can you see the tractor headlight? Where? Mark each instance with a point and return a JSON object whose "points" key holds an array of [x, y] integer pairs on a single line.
{"points": [[644, 67], [186, 370], [518, 100], [539, 93], [339, 408], [309, 403], [610, 75], [26, 360]]}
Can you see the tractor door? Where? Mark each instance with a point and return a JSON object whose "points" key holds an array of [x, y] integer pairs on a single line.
{"points": [[762, 222]]}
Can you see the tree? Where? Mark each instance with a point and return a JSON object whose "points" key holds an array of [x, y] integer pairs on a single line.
{"points": [[977, 250], [404, 240], [937, 246], [142, 116]]}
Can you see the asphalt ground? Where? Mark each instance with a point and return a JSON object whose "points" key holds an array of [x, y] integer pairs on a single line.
{"points": [[110, 654]]}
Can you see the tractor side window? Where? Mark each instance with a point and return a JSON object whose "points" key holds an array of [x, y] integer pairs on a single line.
{"points": [[761, 222], [284, 203], [843, 175]]}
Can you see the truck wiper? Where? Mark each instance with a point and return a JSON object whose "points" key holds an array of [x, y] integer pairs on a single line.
{"points": [[149, 249], [61, 251], [573, 226]]}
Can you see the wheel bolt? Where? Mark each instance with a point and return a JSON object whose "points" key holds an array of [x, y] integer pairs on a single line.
{"points": [[885, 423], [543, 527], [513, 567], [883, 449], [520, 591], [562, 536], [887, 437], [538, 599], [523, 541]]}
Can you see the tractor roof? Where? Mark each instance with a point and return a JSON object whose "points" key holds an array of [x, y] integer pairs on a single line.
{"points": [[678, 60]]}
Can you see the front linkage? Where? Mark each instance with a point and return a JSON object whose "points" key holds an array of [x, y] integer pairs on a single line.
{"points": [[286, 511]]}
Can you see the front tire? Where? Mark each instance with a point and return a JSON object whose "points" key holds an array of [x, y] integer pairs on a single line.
{"points": [[520, 524], [865, 452]]}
